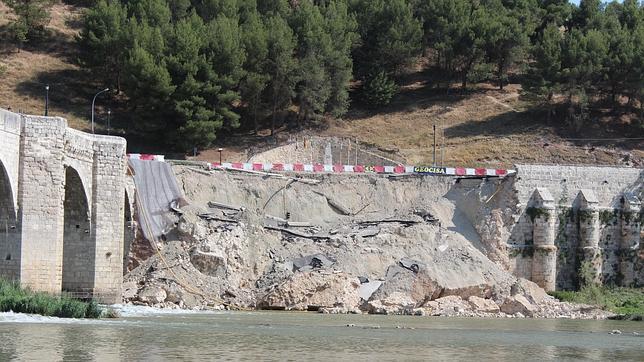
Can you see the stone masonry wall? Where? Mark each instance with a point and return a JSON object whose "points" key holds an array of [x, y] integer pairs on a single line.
{"points": [[564, 182], [66, 189], [108, 214], [617, 243], [40, 195]]}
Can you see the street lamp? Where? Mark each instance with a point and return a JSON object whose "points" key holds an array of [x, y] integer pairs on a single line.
{"points": [[46, 100], [94, 100], [109, 112]]}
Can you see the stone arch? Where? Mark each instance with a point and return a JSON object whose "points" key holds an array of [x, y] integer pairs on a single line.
{"points": [[79, 247], [9, 233]]}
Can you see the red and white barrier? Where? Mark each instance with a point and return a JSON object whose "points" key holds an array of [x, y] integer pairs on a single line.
{"points": [[146, 157], [400, 169], [320, 168]]}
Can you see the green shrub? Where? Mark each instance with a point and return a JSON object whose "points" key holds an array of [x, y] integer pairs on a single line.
{"points": [[379, 90], [14, 298], [624, 301]]}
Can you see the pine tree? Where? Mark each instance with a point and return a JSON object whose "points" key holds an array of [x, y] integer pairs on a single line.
{"points": [[313, 46], [32, 18], [254, 82], [281, 66], [390, 36], [341, 27], [505, 38], [103, 41], [544, 75]]}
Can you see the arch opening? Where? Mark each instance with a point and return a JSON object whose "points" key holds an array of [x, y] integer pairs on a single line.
{"points": [[129, 232], [79, 249], [9, 231]]}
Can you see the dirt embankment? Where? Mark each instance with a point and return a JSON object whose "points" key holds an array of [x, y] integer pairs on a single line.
{"points": [[337, 244]]}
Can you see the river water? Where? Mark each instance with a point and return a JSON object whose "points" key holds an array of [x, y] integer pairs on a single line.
{"points": [[149, 335]]}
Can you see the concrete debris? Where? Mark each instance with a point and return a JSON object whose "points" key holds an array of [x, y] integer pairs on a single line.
{"points": [[213, 264], [297, 233], [312, 291], [298, 224], [317, 261], [210, 216], [368, 288], [152, 295], [220, 205], [391, 220], [335, 205], [483, 305], [174, 206]]}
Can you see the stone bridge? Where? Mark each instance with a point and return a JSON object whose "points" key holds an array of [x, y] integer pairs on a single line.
{"points": [[62, 207]]}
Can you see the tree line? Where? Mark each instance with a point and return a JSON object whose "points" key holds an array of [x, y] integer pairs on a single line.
{"points": [[188, 69]]}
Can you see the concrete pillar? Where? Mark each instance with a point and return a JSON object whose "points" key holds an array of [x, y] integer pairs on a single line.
{"points": [[629, 243], [587, 206], [40, 196], [542, 213], [109, 170]]}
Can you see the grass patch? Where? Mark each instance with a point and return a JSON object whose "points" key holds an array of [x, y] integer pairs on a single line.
{"points": [[627, 302], [14, 298]]}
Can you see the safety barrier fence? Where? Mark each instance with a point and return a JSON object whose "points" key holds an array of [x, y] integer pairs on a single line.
{"points": [[320, 168]]}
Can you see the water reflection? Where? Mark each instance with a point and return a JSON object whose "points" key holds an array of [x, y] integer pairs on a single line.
{"points": [[297, 336]]}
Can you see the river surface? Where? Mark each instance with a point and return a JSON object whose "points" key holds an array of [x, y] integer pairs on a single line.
{"points": [[148, 335]]}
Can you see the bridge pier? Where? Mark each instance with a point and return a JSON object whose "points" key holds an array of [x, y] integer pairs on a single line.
{"points": [[591, 261]]}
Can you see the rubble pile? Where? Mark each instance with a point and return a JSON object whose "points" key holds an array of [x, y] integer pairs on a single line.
{"points": [[340, 244]]}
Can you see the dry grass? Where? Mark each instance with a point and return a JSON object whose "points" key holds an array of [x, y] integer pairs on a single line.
{"points": [[487, 127], [50, 61]]}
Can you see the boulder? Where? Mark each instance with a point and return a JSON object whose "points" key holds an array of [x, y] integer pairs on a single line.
{"points": [[395, 303], [534, 293], [367, 289], [483, 305], [452, 303], [129, 290], [417, 286], [518, 304], [209, 263], [313, 290], [152, 294], [423, 282], [177, 295]]}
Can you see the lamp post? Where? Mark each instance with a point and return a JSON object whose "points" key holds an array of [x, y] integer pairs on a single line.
{"points": [[109, 112], [46, 100], [93, 101]]}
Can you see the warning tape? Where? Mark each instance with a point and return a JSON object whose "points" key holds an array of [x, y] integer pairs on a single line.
{"points": [[400, 169], [321, 168]]}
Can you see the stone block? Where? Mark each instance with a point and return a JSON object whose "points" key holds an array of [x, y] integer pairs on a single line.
{"points": [[518, 304]]}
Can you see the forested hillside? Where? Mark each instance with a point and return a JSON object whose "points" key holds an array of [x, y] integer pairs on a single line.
{"points": [[186, 71]]}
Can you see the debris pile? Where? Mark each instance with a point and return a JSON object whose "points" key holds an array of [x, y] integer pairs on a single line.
{"points": [[339, 244]]}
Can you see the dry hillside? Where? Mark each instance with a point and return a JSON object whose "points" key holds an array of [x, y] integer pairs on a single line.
{"points": [[483, 127]]}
